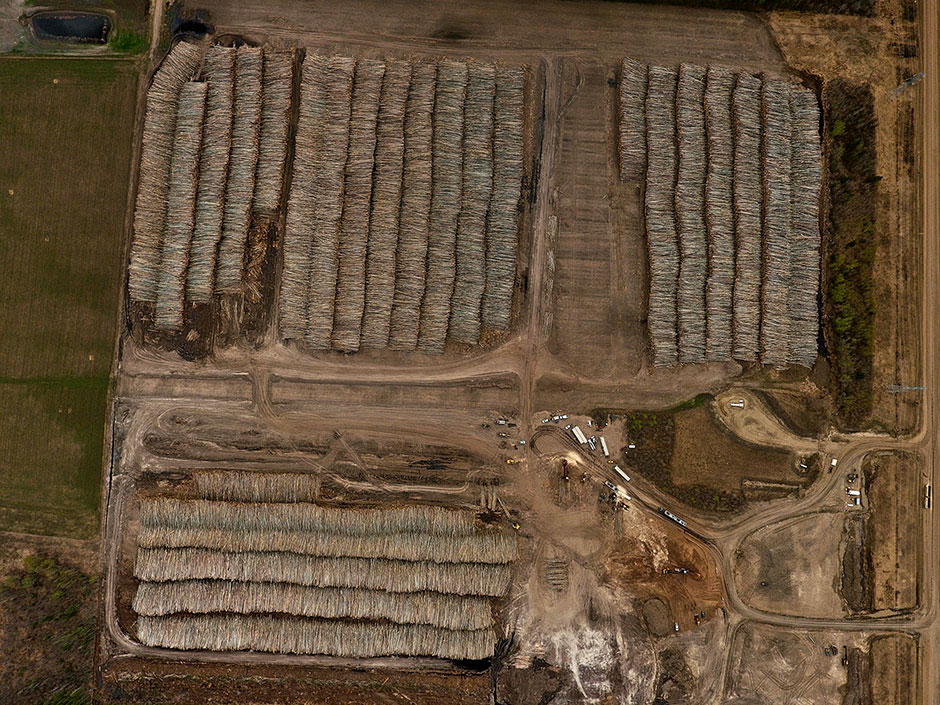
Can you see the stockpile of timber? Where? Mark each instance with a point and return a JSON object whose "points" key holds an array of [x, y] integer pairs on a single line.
{"points": [[354, 230], [748, 206], [733, 172], [386, 203], [246, 127], [446, 175], [661, 214], [150, 211], [276, 85], [719, 215], [690, 213], [414, 219], [301, 207], [502, 220], [212, 150], [291, 577], [477, 190], [413, 176], [181, 204], [632, 119], [805, 182], [213, 172], [294, 635], [328, 181], [775, 319], [236, 486]]}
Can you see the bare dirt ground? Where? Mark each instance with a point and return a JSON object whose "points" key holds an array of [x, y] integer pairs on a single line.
{"points": [[779, 665], [137, 680], [895, 487], [777, 571], [893, 669], [881, 52]]}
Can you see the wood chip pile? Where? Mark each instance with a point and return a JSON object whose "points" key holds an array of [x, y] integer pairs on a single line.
{"points": [[189, 246], [246, 566], [733, 173], [403, 214]]}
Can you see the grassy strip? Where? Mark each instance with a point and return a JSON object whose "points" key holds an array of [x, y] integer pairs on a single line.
{"points": [[850, 301], [125, 41]]}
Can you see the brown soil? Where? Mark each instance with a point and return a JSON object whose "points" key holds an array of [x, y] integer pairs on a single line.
{"points": [[895, 494], [893, 670], [47, 626], [636, 565], [858, 679], [857, 571], [140, 681], [805, 413]]}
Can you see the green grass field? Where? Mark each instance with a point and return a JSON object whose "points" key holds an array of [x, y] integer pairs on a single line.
{"points": [[67, 128]]}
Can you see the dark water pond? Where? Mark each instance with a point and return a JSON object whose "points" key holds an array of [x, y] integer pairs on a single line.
{"points": [[89, 27]]}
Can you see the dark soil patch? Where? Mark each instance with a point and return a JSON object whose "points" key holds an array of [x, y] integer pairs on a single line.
{"points": [[47, 634], [856, 566], [676, 683], [858, 679]]}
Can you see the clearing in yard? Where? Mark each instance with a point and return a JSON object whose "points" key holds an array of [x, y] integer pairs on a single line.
{"points": [[895, 492], [775, 572], [67, 124]]}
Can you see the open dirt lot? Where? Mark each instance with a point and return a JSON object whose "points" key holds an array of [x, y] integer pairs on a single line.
{"points": [[793, 567], [67, 125], [778, 665], [893, 669], [894, 485]]}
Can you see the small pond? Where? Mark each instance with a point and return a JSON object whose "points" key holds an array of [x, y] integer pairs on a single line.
{"points": [[61, 26]]}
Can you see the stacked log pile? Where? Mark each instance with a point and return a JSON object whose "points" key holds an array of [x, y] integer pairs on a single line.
{"points": [[150, 209], [661, 213], [690, 213], [294, 577], [213, 172], [719, 214], [402, 219], [328, 181], [386, 203], [477, 190], [733, 173], [301, 206], [213, 151], [416, 244], [276, 86], [446, 183], [181, 205], [805, 183], [632, 119], [354, 230], [748, 200], [415, 213], [775, 316], [246, 127], [502, 221]]}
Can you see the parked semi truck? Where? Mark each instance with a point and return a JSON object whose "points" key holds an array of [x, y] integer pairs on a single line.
{"points": [[669, 515]]}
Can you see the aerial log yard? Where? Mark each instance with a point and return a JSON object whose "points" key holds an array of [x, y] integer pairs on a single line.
{"points": [[524, 354]]}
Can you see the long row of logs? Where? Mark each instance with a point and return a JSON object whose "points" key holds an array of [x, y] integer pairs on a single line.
{"points": [[402, 220], [733, 172], [213, 153]]}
